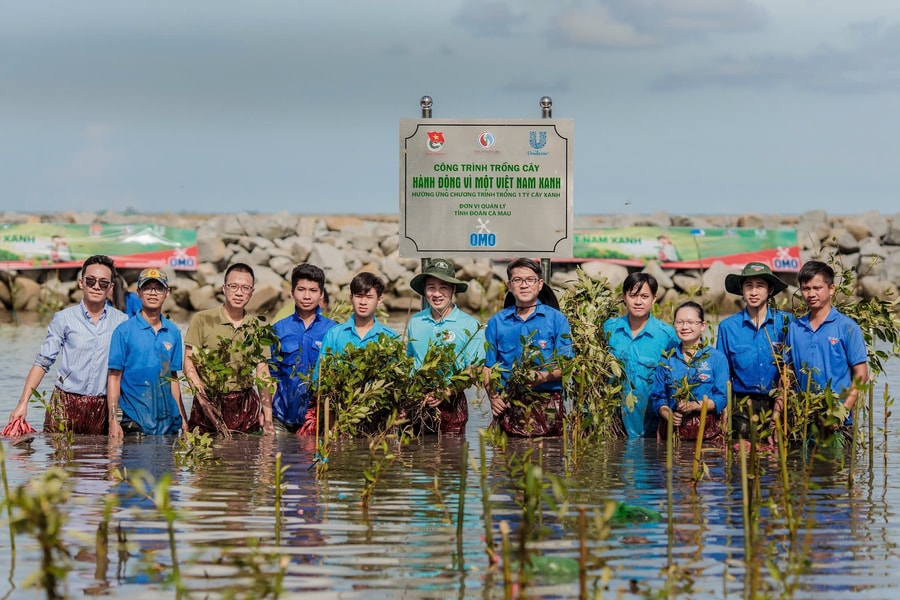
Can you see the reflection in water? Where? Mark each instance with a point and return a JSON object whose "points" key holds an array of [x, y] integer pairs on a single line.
{"points": [[226, 525]]}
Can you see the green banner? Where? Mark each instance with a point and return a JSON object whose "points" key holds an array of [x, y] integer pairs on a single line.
{"points": [[134, 246]]}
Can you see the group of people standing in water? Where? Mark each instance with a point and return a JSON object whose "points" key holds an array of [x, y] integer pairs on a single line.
{"points": [[118, 375], [671, 374]]}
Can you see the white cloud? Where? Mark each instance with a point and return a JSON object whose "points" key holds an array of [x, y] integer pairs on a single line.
{"points": [[868, 64], [634, 24], [488, 18], [595, 26]]}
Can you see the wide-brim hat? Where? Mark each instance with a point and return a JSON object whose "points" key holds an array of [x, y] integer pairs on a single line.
{"points": [[734, 282], [438, 268]]}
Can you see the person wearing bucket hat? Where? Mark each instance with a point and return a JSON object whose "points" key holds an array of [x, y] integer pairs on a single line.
{"points": [[638, 340], [442, 322], [752, 342], [538, 411], [144, 359]]}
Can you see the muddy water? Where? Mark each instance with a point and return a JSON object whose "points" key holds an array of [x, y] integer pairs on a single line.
{"points": [[230, 542]]}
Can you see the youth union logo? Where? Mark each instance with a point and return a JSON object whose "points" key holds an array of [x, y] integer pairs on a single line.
{"points": [[486, 139], [537, 140], [435, 140]]}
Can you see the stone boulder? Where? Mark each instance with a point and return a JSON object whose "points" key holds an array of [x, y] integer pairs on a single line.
{"points": [[614, 274]]}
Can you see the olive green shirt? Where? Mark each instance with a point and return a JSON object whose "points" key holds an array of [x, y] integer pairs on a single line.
{"points": [[205, 332]]}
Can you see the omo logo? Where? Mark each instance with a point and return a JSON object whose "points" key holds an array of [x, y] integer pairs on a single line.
{"points": [[784, 261], [482, 236], [181, 259], [786, 264]]}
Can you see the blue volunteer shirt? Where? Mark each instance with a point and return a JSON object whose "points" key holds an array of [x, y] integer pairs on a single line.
{"points": [[752, 352], [148, 360], [299, 350], [706, 374], [828, 354], [338, 337], [547, 329], [457, 328], [639, 356]]}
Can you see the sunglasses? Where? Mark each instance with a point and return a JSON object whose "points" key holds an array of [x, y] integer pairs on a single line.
{"points": [[93, 281]]}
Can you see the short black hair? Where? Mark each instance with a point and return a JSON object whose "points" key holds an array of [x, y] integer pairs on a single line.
{"points": [[365, 281], [635, 281], [524, 262], [691, 304], [309, 272], [100, 259], [815, 267], [240, 268]]}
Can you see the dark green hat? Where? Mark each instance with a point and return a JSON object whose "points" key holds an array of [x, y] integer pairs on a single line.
{"points": [[734, 283], [438, 268]]}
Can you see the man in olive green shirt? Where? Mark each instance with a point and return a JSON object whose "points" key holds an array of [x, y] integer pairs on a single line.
{"points": [[228, 403]]}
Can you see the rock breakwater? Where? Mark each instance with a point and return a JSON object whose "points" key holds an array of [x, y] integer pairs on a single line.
{"points": [[343, 245]]}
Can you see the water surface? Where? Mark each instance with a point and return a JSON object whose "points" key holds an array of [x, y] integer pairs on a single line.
{"points": [[230, 541]]}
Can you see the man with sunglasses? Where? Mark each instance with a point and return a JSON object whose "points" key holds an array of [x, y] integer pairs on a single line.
{"points": [[144, 359], [79, 336]]}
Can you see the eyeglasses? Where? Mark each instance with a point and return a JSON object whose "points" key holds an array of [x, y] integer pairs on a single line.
{"points": [[689, 323], [153, 290], [233, 287], [93, 281], [525, 280]]}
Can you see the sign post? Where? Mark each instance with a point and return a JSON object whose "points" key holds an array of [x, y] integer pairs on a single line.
{"points": [[494, 187]]}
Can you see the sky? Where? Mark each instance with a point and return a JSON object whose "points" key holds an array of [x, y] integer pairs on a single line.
{"points": [[208, 106]]}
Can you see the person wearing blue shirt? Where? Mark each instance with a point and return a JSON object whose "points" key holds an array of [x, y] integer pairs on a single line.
{"points": [[79, 336], [300, 336], [691, 376], [638, 340], [126, 301], [539, 410], [826, 348], [144, 359], [442, 322], [753, 342], [366, 291]]}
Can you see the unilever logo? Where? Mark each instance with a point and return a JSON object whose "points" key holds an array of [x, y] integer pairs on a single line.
{"points": [[487, 139], [537, 140], [482, 236]]}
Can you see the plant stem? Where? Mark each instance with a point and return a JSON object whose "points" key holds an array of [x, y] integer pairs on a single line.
{"points": [[698, 447], [279, 481], [12, 531], [670, 527], [461, 505], [486, 505], [582, 553]]}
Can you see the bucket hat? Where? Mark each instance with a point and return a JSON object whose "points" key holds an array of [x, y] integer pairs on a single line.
{"points": [[734, 282], [153, 274], [438, 268]]}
